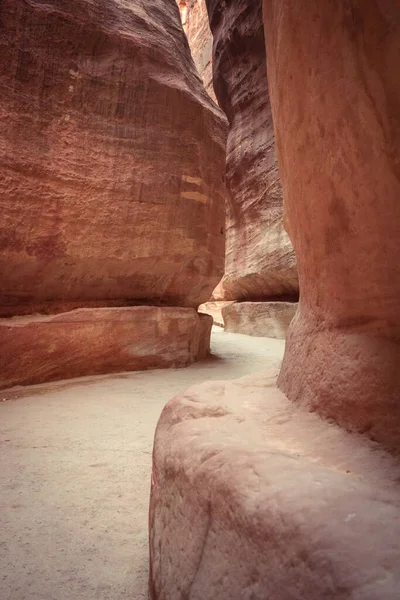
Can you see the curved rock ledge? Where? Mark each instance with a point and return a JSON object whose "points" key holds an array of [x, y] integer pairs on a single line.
{"points": [[38, 348]]}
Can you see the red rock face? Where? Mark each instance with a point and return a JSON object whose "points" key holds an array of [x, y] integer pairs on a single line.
{"points": [[334, 77], [195, 24], [111, 158], [96, 341], [260, 261]]}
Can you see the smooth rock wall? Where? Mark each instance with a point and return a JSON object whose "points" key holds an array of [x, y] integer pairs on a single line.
{"points": [[260, 261], [334, 81]]}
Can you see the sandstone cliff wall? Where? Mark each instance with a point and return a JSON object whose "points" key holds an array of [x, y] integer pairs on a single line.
{"points": [[111, 158], [260, 262]]}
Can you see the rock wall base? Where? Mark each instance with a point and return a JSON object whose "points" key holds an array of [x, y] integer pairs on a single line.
{"points": [[254, 497], [37, 348], [259, 319]]}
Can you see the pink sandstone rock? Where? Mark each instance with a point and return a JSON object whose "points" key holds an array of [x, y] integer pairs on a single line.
{"points": [[254, 497], [214, 309], [111, 158], [96, 341], [334, 79], [260, 261], [220, 294], [195, 24], [260, 319]]}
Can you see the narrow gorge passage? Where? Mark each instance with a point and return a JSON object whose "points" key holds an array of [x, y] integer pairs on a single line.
{"points": [[76, 474]]}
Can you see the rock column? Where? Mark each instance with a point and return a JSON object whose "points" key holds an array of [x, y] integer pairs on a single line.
{"points": [[254, 495], [334, 82]]}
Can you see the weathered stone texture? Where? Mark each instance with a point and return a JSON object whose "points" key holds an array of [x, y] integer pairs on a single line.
{"points": [[96, 341], [334, 78], [260, 319], [260, 261], [254, 497], [111, 157]]}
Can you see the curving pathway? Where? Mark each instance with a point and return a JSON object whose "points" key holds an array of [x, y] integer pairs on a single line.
{"points": [[75, 475]]}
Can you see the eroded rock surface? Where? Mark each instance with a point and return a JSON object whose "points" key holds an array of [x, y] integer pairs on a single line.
{"points": [[260, 261], [261, 319], [111, 157], [96, 341], [261, 499], [335, 91]]}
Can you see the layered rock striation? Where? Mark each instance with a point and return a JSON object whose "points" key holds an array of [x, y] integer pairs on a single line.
{"points": [[112, 155]]}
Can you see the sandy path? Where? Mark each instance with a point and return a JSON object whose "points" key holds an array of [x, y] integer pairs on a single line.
{"points": [[74, 480]]}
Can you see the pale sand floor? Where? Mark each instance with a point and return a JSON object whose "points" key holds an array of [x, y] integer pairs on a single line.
{"points": [[75, 475]]}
